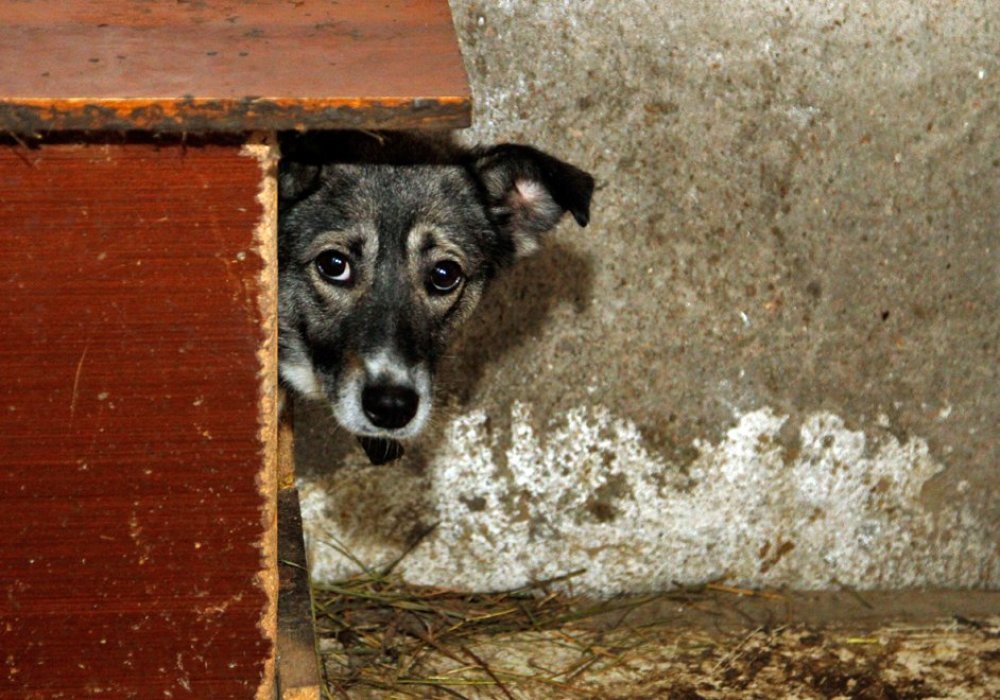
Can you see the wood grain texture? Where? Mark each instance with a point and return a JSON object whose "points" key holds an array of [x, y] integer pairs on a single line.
{"points": [[133, 557], [298, 664], [229, 66]]}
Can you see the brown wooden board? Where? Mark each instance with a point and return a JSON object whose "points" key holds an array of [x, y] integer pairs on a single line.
{"points": [[168, 65], [298, 671], [136, 445], [298, 664]]}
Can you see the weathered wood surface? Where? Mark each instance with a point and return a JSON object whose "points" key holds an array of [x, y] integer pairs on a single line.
{"points": [[229, 66], [298, 664], [136, 438]]}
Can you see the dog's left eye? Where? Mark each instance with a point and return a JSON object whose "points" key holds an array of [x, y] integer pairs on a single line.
{"points": [[334, 267], [445, 277]]}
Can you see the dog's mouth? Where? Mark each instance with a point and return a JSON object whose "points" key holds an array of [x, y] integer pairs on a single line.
{"points": [[381, 450]]}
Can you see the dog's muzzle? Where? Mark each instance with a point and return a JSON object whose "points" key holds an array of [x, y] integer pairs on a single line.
{"points": [[383, 401], [391, 407]]}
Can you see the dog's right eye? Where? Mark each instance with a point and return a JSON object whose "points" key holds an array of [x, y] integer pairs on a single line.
{"points": [[334, 267], [445, 277]]}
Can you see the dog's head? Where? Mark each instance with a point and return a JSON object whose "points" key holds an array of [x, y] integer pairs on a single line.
{"points": [[386, 243]]}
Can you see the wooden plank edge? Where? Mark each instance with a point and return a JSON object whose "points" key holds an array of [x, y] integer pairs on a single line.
{"points": [[264, 148], [286, 440], [298, 673], [201, 115], [301, 694]]}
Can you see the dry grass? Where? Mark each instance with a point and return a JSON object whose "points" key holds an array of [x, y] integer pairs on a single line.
{"points": [[376, 632], [382, 638]]}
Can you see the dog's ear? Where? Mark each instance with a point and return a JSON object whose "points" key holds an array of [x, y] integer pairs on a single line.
{"points": [[528, 191], [296, 180]]}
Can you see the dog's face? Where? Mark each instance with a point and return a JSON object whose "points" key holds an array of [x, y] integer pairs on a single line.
{"points": [[380, 257]]}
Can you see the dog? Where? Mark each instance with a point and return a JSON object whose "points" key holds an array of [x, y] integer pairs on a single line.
{"points": [[386, 243]]}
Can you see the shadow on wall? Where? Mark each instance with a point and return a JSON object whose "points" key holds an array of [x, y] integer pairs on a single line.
{"points": [[514, 310]]}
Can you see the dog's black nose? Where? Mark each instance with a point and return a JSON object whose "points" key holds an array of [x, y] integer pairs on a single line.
{"points": [[389, 406]]}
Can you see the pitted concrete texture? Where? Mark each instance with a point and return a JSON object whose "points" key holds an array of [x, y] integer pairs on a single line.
{"points": [[772, 356]]}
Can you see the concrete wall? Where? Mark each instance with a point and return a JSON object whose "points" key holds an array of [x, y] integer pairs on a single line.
{"points": [[772, 356]]}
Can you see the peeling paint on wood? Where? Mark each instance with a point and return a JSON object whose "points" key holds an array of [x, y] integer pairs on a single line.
{"points": [[264, 149], [198, 67], [28, 116]]}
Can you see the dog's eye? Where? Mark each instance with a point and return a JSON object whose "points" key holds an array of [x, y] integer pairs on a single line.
{"points": [[444, 277], [334, 267]]}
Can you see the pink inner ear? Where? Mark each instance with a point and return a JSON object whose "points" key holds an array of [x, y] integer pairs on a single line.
{"points": [[530, 193]]}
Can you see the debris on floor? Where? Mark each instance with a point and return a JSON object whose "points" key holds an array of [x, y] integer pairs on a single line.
{"points": [[380, 638]]}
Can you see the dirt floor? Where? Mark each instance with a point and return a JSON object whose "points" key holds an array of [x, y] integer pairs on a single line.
{"points": [[716, 642]]}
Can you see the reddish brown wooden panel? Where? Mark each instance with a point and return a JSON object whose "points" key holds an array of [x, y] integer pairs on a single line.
{"points": [[130, 388], [229, 66]]}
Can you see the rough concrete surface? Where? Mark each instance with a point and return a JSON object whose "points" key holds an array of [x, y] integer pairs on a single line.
{"points": [[772, 356]]}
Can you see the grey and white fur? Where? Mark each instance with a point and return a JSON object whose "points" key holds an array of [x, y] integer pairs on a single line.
{"points": [[386, 243]]}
